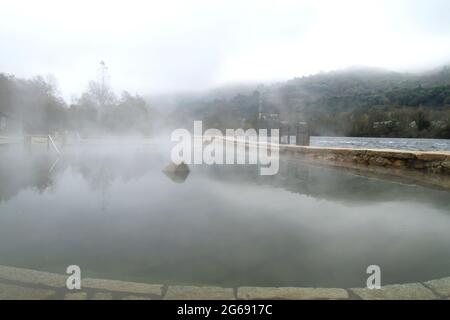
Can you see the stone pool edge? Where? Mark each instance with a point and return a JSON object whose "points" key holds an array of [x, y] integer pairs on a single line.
{"points": [[426, 168], [425, 161], [428, 161], [27, 284]]}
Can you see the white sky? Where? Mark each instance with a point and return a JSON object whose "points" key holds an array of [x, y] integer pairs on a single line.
{"points": [[165, 46]]}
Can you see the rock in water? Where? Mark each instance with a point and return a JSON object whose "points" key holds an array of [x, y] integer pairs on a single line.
{"points": [[172, 167], [177, 173]]}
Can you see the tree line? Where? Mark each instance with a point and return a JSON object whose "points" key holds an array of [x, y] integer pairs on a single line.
{"points": [[355, 102], [34, 106]]}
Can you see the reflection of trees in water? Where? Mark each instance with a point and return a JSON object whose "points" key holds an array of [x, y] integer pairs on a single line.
{"points": [[98, 174], [20, 170], [101, 170], [330, 183]]}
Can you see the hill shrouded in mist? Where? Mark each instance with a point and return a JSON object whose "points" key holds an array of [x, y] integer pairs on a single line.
{"points": [[356, 101]]}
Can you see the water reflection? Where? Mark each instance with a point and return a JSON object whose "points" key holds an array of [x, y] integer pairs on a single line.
{"points": [[331, 184], [22, 169], [40, 170], [306, 226]]}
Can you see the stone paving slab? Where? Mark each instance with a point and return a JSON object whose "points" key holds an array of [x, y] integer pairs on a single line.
{"points": [[76, 296], [122, 286], [261, 293], [441, 286], [13, 292], [410, 291], [32, 276], [102, 296], [23, 284], [198, 293], [131, 297]]}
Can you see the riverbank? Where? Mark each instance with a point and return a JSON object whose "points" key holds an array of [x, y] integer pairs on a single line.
{"points": [[26, 284], [429, 162], [408, 144]]}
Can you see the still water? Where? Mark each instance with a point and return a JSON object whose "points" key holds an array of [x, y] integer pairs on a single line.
{"points": [[116, 215]]}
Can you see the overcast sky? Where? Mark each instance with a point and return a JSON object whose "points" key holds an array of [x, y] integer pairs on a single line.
{"points": [[165, 46]]}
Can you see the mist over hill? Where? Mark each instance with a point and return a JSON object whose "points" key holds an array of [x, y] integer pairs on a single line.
{"points": [[357, 101]]}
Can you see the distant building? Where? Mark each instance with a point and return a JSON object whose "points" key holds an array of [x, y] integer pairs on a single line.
{"points": [[380, 124], [292, 128], [269, 116]]}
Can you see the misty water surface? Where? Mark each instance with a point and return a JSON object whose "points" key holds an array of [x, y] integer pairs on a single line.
{"points": [[116, 215]]}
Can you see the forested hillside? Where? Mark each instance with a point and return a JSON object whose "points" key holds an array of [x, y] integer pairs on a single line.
{"points": [[353, 102]]}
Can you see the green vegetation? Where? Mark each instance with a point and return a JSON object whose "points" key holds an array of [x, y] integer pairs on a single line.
{"points": [[34, 106], [355, 102]]}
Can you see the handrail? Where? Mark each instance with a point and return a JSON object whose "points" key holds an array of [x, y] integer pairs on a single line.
{"points": [[54, 144]]}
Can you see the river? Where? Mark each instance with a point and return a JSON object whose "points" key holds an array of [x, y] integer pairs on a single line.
{"points": [[383, 143]]}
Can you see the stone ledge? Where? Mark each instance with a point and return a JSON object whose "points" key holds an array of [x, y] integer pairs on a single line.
{"points": [[13, 292], [131, 297], [409, 291], [32, 276], [262, 293], [122, 286], [198, 293], [441, 286], [426, 161], [102, 296], [26, 286], [76, 296]]}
